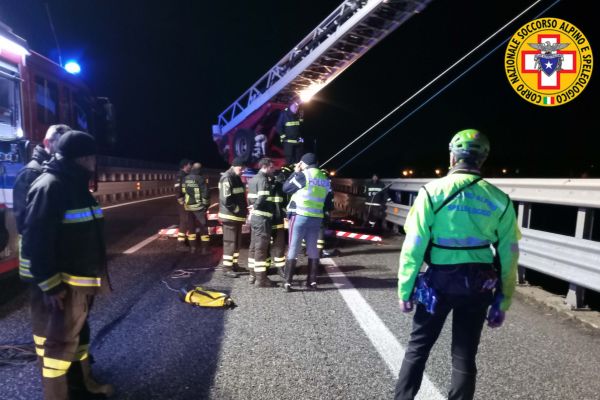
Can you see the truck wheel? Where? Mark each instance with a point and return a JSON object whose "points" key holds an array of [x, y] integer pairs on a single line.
{"points": [[243, 143]]}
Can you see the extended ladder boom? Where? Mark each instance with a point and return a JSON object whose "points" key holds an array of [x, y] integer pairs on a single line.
{"points": [[337, 42]]}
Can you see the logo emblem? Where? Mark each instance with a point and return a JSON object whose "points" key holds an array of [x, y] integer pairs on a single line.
{"points": [[548, 62]]}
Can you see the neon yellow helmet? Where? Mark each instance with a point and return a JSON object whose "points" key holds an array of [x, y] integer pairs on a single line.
{"points": [[470, 145]]}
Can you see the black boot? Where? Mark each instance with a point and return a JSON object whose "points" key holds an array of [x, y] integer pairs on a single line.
{"points": [[263, 281], [228, 272], [313, 269], [290, 267]]}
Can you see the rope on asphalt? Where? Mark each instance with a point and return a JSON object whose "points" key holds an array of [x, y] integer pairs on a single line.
{"points": [[17, 354]]}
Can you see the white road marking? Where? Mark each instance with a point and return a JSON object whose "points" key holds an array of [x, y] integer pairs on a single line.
{"points": [[137, 201], [378, 333], [144, 242]]}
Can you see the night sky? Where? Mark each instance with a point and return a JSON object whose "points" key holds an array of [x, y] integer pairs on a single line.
{"points": [[171, 68]]}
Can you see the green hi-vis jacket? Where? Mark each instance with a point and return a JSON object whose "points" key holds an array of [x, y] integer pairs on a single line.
{"points": [[463, 231]]}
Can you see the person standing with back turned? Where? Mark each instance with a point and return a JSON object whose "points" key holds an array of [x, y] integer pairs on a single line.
{"points": [[452, 225]]}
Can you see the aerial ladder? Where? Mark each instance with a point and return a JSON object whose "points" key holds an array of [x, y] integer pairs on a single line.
{"points": [[247, 127]]}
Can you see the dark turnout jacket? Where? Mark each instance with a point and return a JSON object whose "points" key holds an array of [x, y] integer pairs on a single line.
{"points": [[63, 235], [232, 198], [195, 191], [288, 126], [23, 181], [260, 195]]}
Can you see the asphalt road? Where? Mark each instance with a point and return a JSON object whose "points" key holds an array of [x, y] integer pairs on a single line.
{"points": [[344, 341]]}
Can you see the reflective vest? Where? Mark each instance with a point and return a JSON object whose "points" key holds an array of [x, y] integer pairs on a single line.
{"points": [[310, 200]]}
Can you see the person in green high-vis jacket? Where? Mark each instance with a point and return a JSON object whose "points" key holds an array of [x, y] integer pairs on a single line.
{"points": [[465, 229]]}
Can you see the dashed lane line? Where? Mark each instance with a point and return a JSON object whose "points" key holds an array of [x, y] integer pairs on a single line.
{"points": [[378, 333]]}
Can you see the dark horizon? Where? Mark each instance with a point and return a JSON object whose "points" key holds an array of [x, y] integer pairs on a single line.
{"points": [[171, 69]]}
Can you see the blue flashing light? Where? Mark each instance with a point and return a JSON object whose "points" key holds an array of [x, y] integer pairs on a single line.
{"points": [[72, 67]]}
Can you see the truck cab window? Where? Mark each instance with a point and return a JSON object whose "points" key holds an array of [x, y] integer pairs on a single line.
{"points": [[46, 97], [10, 103]]}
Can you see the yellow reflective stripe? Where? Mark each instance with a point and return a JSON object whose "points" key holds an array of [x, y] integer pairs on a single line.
{"points": [[263, 193], [226, 257], [39, 351], [292, 123], [275, 199], [279, 226], [260, 269], [252, 195], [85, 281], [205, 238], [231, 217], [192, 236], [237, 190], [291, 141], [39, 340], [260, 263], [55, 363], [52, 373], [50, 283], [228, 263], [279, 258], [262, 213]]}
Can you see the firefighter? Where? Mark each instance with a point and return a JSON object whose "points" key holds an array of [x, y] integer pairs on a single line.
{"points": [[185, 218], [64, 257], [375, 199], [288, 128], [196, 203], [311, 195], [278, 223], [232, 213], [33, 169], [260, 199], [452, 225]]}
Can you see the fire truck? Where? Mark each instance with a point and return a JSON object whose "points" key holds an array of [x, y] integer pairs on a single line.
{"points": [[247, 127], [35, 92]]}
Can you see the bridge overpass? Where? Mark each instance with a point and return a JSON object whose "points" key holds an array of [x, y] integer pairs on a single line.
{"points": [[344, 341]]}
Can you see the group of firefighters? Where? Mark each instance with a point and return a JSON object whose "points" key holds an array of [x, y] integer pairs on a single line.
{"points": [[462, 226], [299, 194]]}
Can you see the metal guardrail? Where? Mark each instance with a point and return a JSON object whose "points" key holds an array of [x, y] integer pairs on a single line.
{"points": [[575, 259], [122, 179]]}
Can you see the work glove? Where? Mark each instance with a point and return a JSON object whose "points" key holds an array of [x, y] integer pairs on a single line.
{"points": [[495, 317], [406, 306], [180, 200]]}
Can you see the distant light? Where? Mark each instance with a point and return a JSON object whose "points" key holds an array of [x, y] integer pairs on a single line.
{"points": [[410, 171], [438, 171], [404, 173], [504, 170], [332, 173], [72, 67], [9, 45], [307, 94]]}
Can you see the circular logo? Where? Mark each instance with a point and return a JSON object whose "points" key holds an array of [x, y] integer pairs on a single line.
{"points": [[548, 62]]}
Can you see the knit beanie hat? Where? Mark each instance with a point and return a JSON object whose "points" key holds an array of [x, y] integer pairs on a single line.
{"points": [[75, 144]]}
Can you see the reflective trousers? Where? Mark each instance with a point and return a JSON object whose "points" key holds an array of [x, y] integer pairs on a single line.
{"points": [[61, 338], [200, 226], [186, 225], [260, 238], [232, 238], [278, 247], [468, 316]]}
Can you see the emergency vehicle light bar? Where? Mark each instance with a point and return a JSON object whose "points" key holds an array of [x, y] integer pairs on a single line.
{"points": [[336, 43]]}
